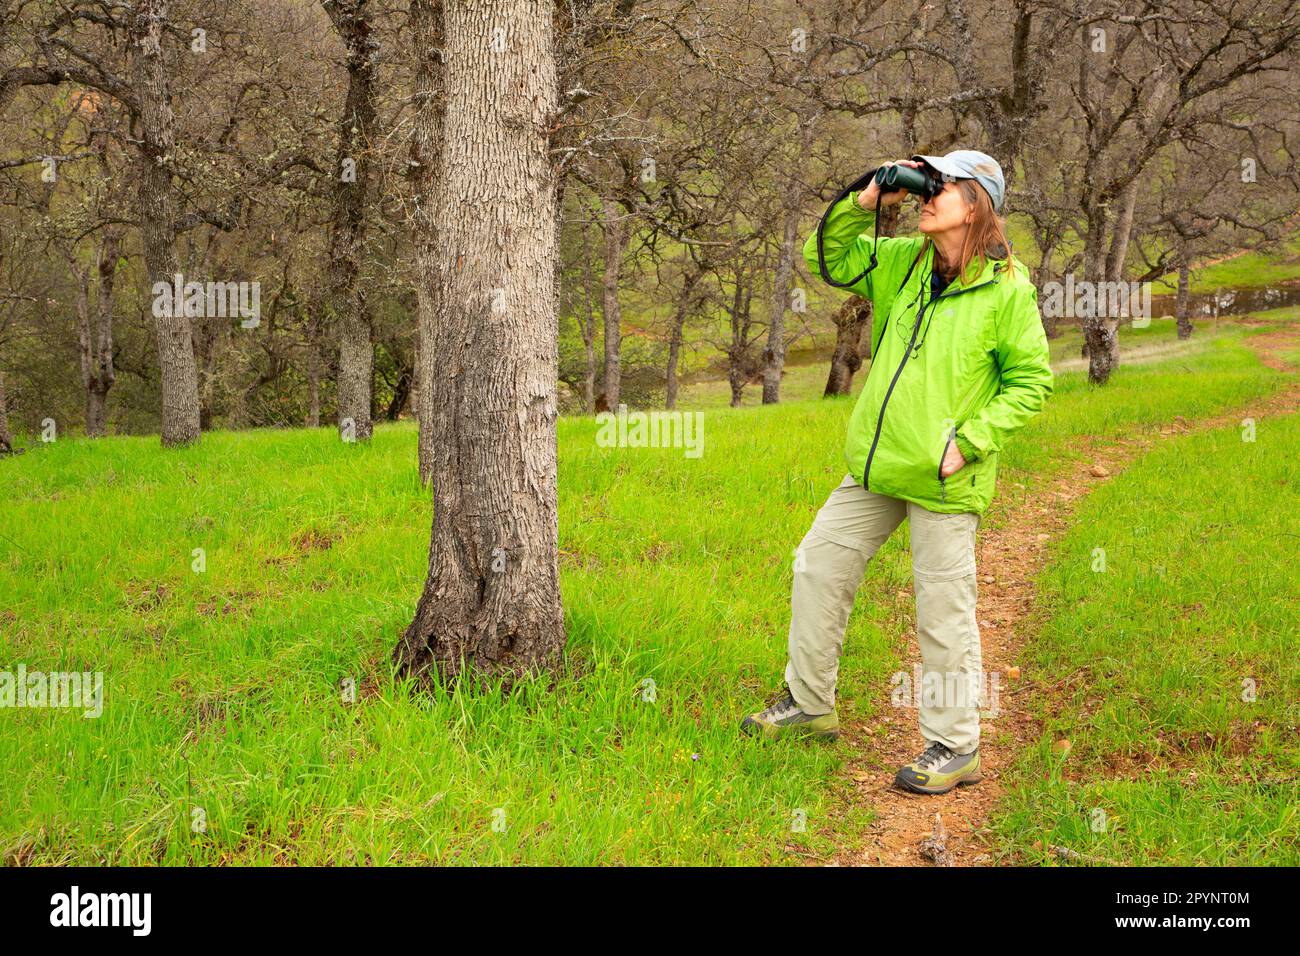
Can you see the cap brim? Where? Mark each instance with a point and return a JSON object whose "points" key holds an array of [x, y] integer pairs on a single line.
{"points": [[939, 164], [952, 171]]}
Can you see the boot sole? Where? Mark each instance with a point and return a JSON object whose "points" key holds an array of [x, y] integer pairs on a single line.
{"points": [[935, 791], [760, 731]]}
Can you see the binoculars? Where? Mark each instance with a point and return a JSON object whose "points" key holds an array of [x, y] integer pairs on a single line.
{"points": [[923, 182]]}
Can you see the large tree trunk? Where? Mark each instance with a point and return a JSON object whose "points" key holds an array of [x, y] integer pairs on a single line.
{"points": [[855, 316], [97, 353], [792, 206], [84, 328], [617, 233], [313, 369], [689, 282], [741, 366], [180, 382], [95, 333], [348, 226], [588, 328], [1118, 253], [774, 354], [403, 388], [6, 436], [491, 605], [426, 37], [1182, 313], [1100, 332], [852, 319], [1043, 275]]}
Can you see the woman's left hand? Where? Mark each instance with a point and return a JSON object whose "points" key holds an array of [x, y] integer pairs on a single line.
{"points": [[953, 460]]}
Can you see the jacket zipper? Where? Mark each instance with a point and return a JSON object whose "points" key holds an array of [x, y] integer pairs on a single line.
{"points": [[880, 419], [943, 482]]}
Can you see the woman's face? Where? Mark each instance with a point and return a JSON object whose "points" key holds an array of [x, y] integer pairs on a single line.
{"points": [[945, 211]]}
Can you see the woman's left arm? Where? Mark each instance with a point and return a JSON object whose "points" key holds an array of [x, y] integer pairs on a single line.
{"points": [[1023, 359]]}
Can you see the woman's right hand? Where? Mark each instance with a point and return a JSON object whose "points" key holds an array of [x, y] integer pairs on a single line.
{"points": [[867, 198]]}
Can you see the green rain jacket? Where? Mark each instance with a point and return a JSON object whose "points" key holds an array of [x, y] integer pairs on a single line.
{"points": [[970, 366]]}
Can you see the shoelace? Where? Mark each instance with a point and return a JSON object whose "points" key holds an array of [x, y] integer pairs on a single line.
{"points": [[934, 755], [783, 703]]}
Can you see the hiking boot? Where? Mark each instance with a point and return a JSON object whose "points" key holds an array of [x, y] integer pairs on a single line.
{"points": [[938, 770], [785, 719]]}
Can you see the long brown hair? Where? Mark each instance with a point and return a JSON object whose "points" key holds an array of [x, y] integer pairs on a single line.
{"points": [[985, 239]]}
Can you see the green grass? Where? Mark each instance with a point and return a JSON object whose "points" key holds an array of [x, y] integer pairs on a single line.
{"points": [[1159, 329], [1248, 271], [1144, 662], [222, 687]]}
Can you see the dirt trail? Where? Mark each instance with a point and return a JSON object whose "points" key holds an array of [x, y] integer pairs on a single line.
{"points": [[1138, 356], [1009, 559]]}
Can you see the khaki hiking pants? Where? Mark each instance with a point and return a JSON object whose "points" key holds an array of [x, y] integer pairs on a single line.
{"points": [[829, 566]]}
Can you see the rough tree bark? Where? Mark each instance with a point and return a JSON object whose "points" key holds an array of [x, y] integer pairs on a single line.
{"points": [[1118, 251], [403, 382], [351, 20], [6, 436], [314, 371], [157, 123], [1098, 189], [95, 332], [1182, 313], [741, 364], [212, 338], [792, 208], [1100, 332], [689, 281], [614, 225], [1043, 275], [853, 317], [774, 354], [587, 321], [426, 37], [491, 605]]}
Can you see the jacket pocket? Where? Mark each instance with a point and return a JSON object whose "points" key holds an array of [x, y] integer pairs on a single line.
{"points": [[978, 489], [943, 482]]}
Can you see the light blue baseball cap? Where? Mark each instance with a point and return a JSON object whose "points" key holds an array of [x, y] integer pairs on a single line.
{"points": [[970, 164]]}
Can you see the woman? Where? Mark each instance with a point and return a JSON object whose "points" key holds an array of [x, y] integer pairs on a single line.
{"points": [[959, 363]]}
